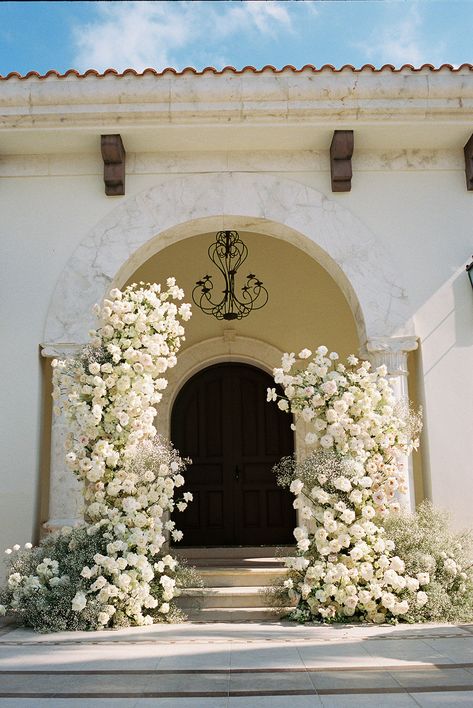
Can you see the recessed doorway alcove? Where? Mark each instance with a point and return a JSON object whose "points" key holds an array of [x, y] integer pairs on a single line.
{"points": [[221, 420]]}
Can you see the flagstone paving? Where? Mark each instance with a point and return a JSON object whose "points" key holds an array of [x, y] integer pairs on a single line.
{"points": [[245, 665]]}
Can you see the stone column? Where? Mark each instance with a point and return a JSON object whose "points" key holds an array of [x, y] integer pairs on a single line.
{"points": [[392, 352], [65, 490]]}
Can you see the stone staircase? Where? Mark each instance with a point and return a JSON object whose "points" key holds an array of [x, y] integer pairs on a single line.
{"points": [[236, 581]]}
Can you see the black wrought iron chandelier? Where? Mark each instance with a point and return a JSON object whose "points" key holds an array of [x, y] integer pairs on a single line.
{"points": [[228, 253]]}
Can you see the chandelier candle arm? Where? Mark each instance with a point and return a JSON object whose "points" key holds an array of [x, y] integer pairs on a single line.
{"points": [[228, 253]]}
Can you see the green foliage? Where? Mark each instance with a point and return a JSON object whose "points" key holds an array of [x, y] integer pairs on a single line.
{"points": [[43, 581], [427, 544], [43, 600]]}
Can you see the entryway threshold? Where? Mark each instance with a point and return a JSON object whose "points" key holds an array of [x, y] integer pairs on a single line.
{"points": [[199, 552]]}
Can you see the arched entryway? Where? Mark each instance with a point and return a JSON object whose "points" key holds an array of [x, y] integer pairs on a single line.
{"points": [[174, 211], [221, 420]]}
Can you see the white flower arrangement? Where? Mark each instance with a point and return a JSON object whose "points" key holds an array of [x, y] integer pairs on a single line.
{"points": [[353, 412], [109, 396], [346, 565]]}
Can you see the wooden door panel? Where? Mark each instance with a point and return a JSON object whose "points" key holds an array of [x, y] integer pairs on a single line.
{"points": [[206, 474], [258, 474], [249, 423], [276, 502], [215, 509], [212, 407], [190, 432], [251, 509], [222, 421]]}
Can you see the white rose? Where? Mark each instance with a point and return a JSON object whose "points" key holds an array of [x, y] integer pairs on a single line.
{"points": [[412, 584], [296, 486], [365, 482], [79, 601], [348, 516], [341, 483], [421, 598], [326, 441], [356, 497], [397, 564], [423, 578], [305, 354], [400, 608], [351, 602], [329, 387], [449, 565], [368, 512]]}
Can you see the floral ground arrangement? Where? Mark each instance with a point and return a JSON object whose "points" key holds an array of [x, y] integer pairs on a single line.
{"points": [[113, 571], [358, 556]]}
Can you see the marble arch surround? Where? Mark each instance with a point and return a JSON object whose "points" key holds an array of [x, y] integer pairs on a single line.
{"points": [[176, 208]]}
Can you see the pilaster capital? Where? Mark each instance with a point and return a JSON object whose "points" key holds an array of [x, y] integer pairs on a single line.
{"points": [[393, 345], [392, 352], [59, 350]]}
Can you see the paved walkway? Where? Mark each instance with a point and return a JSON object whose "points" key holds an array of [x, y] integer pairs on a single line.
{"points": [[257, 665]]}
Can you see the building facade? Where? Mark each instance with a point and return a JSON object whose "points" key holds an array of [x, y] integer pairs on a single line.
{"points": [[363, 250]]}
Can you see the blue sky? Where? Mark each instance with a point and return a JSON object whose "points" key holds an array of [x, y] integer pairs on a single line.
{"points": [[82, 35]]}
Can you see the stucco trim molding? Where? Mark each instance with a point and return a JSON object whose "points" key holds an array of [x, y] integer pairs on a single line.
{"points": [[289, 97], [179, 207]]}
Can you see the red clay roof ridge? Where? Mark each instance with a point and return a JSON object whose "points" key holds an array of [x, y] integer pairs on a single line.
{"points": [[232, 70]]}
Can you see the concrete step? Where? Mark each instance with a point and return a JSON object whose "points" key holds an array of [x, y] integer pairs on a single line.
{"points": [[210, 553], [240, 576], [237, 614], [255, 596], [237, 562]]}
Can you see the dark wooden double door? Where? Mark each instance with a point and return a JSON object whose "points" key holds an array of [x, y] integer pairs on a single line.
{"points": [[221, 420]]}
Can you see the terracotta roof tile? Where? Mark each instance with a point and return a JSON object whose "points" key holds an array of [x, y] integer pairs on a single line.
{"points": [[231, 70]]}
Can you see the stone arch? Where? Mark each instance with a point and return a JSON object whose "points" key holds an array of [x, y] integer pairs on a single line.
{"points": [[180, 207], [229, 348]]}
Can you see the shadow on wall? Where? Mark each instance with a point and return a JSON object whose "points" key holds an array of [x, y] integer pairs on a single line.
{"points": [[463, 310]]}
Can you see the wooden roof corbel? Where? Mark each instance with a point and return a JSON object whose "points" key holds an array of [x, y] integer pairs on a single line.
{"points": [[341, 151], [468, 150], [113, 154]]}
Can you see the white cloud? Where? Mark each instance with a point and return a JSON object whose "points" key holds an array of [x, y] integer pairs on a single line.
{"points": [[160, 34], [401, 42]]}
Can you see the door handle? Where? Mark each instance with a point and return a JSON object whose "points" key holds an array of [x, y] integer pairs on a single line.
{"points": [[237, 473]]}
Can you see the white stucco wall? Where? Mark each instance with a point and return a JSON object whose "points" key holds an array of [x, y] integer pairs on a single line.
{"points": [[413, 201]]}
